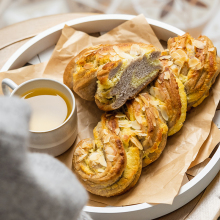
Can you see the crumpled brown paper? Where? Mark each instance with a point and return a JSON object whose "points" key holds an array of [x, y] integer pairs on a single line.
{"points": [[208, 146], [160, 182]]}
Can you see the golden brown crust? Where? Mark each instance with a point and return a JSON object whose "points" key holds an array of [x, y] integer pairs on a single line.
{"points": [[80, 73], [169, 91], [122, 166], [153, 126], [103, 160], [135, 180], [197, 65], [128, 179]]}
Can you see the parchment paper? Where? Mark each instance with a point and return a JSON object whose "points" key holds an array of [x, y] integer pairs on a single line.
{"points": [[159, 182], [198, 168], [208, 146]]}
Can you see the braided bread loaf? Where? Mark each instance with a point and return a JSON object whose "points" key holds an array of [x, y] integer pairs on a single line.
{"points": [[135, 135]]}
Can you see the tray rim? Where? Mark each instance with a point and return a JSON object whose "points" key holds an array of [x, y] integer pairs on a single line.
{"points": [[214, 162], [7, 66]]}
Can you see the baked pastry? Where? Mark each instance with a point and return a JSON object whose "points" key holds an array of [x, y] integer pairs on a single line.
{"points": [[106, 166], [138, 130], [151, 127], [130, 68], [121, 71], [196, 65], [170, 96], [80, 73], [124, 142]]}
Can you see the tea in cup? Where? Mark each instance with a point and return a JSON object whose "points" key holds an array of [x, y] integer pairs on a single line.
{"points": [[53, 124]]}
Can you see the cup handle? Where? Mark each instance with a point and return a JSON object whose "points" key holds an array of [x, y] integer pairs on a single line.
{"points": [[8, 83]]}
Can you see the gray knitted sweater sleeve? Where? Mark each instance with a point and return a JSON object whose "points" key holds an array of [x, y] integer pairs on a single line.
{"points": [[33, 186]]}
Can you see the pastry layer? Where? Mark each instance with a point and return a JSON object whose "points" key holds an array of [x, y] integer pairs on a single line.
{"points": [[169, 91], [197, 65], [101, 161], [152, 134], [108, 177], [80, 74]]}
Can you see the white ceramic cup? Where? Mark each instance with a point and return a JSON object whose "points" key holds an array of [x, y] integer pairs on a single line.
{"points": [[55, 141]]}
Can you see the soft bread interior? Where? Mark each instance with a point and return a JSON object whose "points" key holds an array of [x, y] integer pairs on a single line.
{"points": [[130, 76]]}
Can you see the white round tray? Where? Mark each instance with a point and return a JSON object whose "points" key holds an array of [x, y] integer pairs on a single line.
{"points": [[103, 23]]}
